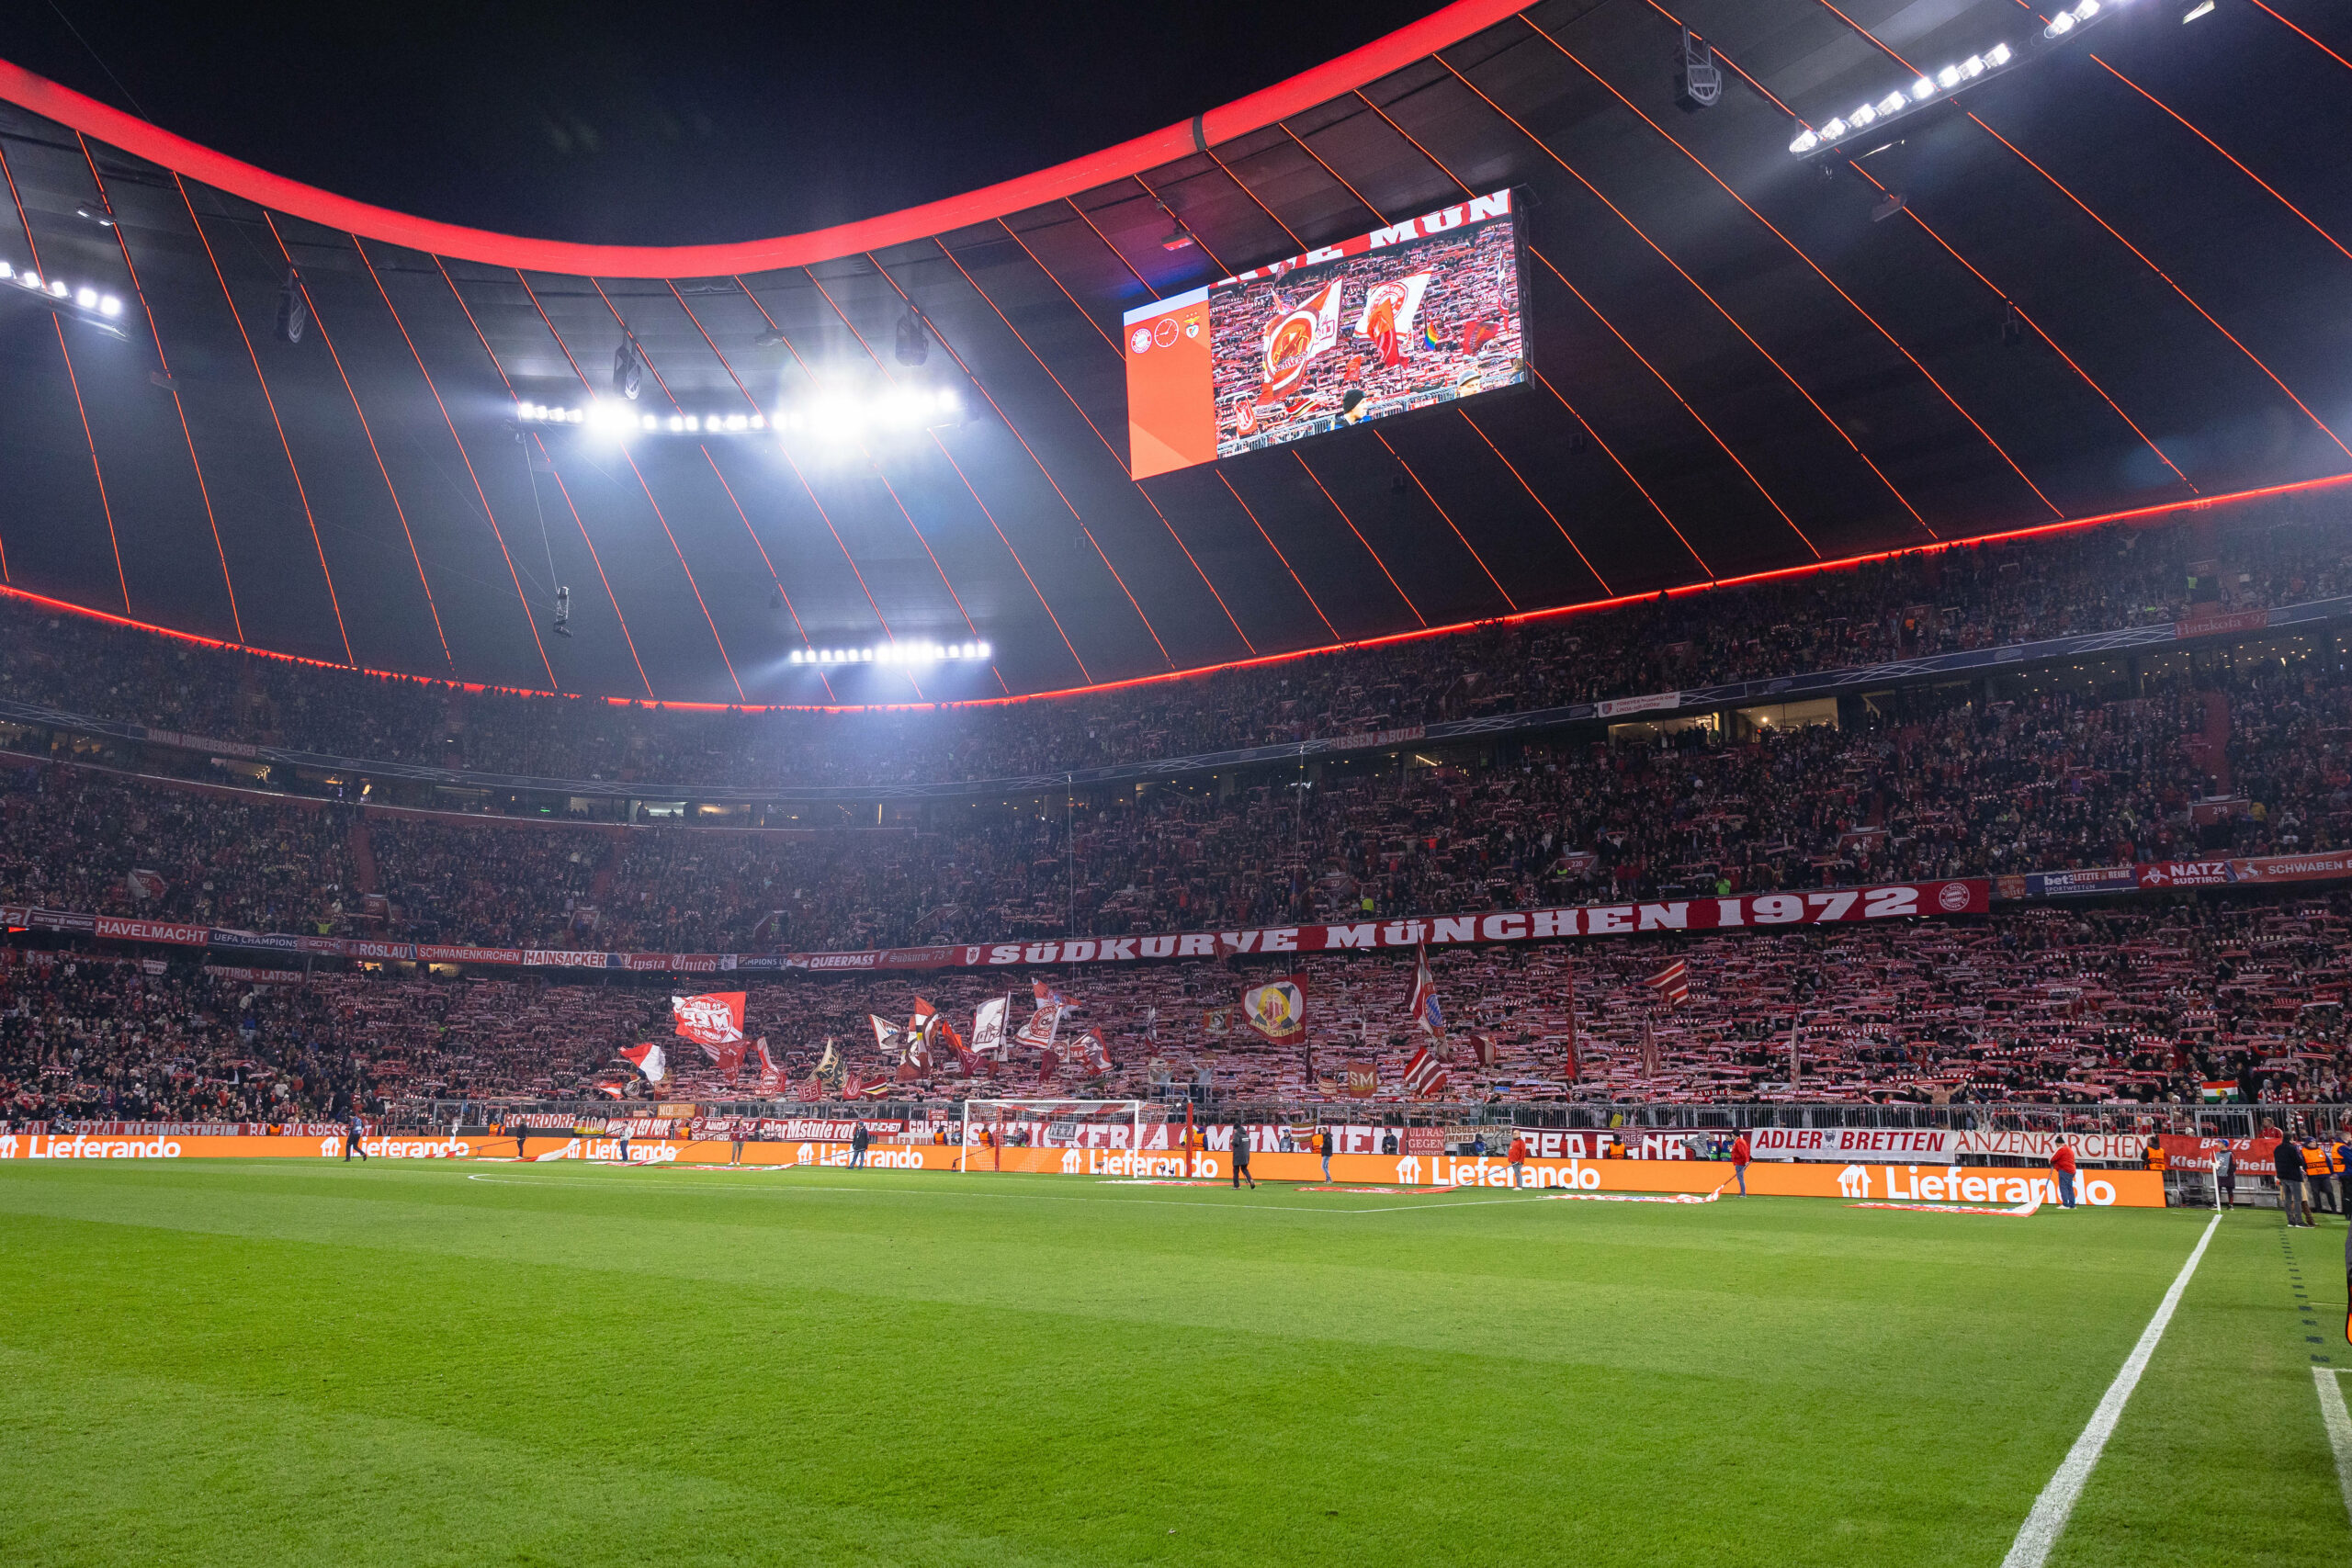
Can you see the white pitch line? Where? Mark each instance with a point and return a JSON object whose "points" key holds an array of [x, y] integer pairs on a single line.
{"points": [[2339, 1428], [2044, 1526]]}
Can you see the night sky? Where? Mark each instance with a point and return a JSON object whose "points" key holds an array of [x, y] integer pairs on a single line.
{"points": [[672, 124]]}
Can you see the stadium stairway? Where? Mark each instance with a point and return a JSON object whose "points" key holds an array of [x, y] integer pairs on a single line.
{"points": [[363, 853]]}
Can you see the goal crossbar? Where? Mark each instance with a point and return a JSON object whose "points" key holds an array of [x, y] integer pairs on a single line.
{"points": [[1043, 1123]]}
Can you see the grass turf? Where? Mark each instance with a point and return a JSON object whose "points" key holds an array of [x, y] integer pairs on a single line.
{"points": [[280, 1362]]}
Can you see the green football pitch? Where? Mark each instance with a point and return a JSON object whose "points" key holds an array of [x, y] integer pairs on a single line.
{"points": [[277, 1362]]}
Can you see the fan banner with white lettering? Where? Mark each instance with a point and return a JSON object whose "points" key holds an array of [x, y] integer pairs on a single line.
{"points": [[713, 1019]]}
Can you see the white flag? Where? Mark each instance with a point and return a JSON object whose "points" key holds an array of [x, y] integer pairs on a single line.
{"points": [[988, 1026]]}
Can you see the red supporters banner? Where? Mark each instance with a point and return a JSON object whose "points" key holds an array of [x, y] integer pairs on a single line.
{"points": [[713, 1019], [2258, 870], [1900, 901], [153, 931], [2249, 1156]]}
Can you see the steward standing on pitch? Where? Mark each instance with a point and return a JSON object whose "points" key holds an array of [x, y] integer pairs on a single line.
{"points": [[1241, 1155], [1741, 1153], [858, 1138], [2287, 1163], [351, 1142]]}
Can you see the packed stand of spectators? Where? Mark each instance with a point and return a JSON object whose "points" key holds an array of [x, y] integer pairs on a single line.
{"points": [[2055, 1004], [2258, 761], [2279, 551], [100, 844]]}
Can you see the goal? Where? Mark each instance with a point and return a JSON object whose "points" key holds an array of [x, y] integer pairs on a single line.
{"points": [[990, 1124]]}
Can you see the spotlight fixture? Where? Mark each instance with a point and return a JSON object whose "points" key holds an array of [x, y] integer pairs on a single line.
{"points": [[1698, 81], [103, 219], [562, 624], [914, 337], [2194, 9], [902, 653], [768, 338], [627, 369], [1178, 237], [83, 302], [1930, 88], [293, 310], [1887, 206]]}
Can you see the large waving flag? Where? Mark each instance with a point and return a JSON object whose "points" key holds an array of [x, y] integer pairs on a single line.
{"points": [[888, 1038], [1043, 1024], [1427, 1016], [1277, 1010], [711, 1020], [1425, 1076], [647, 1059], [771, 1076], [1672, 983], [988, 1026]]}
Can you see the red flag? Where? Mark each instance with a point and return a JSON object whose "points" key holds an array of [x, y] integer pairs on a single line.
{"points": [[1425, 1076], [1091, 1052], [713, 1019], [647, 1059], [1423, 1008], [1651, 1064], [1672, 983], [1485, 1047], [1575, 1063], [771, 1076]]}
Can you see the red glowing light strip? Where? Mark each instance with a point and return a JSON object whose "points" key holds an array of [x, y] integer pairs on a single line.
{"points": [[365, 429], [1535, 498], [1362, 541], [1720, 309], [75, 382], [302, 493], [1962, 260], [1111, 451], [1891, 340], [1253, 195], [630, 458], [162, 361], [781, 591], [99, 474], [2028, 320], [1621, 468], [1278, 554], [1807, 568], [499, 370], [2103, 223], [455, 440], [1450, 523], [1604, 445], [1675, 392], [806, 487], [1380, 58], [2306, 36], [729, 488], [982, 388], [565, 490], [2225, 152], [887, 486], [1106, 245], [1082, 309]]}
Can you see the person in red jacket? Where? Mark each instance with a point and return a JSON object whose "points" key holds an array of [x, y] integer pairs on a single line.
{"points": [[1518, 1158], [2062, 1160], [1741, 1153]]}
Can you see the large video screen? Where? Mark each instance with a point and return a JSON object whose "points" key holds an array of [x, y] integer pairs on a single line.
{"points": [[1424, 311]]}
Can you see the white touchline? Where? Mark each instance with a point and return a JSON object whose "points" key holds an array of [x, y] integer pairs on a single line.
{"points": [[2048, 1521], [2340, 1427]]}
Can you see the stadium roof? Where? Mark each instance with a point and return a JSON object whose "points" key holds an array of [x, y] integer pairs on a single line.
{"points": [[1748, 360]]}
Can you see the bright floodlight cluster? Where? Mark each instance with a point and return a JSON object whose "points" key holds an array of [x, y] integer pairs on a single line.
{"points": [[602, 416], [1947, 79], [83, 294], [892, 653], [834, 417]]}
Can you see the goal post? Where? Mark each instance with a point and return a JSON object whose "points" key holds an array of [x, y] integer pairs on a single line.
{"points": [[989, 1125]]}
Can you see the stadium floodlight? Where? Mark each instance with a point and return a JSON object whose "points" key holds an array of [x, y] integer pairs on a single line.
{"points": [[79, 301], [2195, 10], [1929, 87], [904, 652]]}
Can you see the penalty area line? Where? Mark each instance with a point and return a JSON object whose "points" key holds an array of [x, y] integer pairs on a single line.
{"points": [[2044, 1526], [2340, 1427]]}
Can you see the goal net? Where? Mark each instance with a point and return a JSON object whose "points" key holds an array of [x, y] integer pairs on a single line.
{"points": [[991, 1127]]}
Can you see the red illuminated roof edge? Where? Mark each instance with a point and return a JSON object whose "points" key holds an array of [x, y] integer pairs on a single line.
{"points": [[1413, 41], [1844, 563]]}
